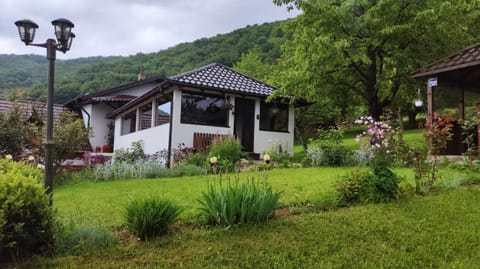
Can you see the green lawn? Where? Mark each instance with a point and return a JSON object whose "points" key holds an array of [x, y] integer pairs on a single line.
{"points": [[412, 137], [436, 231], [101, 203]]}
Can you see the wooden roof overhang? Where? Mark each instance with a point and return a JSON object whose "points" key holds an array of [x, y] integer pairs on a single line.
{"points": [[459, 70]]}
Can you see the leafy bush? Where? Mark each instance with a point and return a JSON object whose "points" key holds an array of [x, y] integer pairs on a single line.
{"points": [[76, 240], [227, 150], [327, 149], [331, 155], [150, 217], [379, 184], [279, 155], [24, 168], [130, 155], [199, 159], [233, 202], [26, 217], [17, 133]]}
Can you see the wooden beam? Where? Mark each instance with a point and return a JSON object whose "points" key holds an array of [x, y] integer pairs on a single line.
{"points": [[429, 104]]}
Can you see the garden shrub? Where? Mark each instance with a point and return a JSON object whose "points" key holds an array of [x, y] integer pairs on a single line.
{"points": [[26, 169], [199, 159], [234, 202], [150, 217], [26, 218], [376, 185], [228, 152], [130, 155], [331, 155], [327, 149], [279, 155]]}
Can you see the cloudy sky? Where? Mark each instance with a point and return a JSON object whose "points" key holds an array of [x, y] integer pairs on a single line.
{"points": [[125, 27]]}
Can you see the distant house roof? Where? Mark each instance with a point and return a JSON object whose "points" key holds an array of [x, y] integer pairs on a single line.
{"points": [[27, 107], [114, 98], [460, 68], [219, 77], [90, 97]]}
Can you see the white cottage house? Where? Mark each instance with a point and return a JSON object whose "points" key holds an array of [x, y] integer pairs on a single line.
{"points": [[211, 100]]}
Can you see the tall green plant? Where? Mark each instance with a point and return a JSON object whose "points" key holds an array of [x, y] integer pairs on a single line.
{"points": [[150, 217], [234, 202], [228, 152]]}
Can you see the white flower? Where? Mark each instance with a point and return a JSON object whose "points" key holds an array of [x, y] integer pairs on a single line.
{"points": [[41, 166], [31, 158], [8, 157]]}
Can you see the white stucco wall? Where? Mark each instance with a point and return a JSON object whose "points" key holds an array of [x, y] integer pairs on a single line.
{"points": [[99, 124], [183, 133], [97, 113], [154, 139], [265, 140]]}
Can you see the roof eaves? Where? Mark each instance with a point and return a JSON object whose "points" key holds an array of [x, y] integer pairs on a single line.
{"points": [[137, 100], [82, 98], [426, 70]]}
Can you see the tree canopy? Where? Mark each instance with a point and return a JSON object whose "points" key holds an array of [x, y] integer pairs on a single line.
{"points": [[366, 49]]}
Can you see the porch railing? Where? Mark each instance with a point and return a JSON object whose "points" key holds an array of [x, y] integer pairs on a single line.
{"points": [[202, 141]]}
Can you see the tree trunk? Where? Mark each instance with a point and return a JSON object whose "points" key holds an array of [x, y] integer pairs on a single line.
{"points": [[412, 122], [374, 108]]}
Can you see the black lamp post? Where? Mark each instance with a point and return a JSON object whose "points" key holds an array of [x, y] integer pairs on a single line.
{"points": [[64, 35]]}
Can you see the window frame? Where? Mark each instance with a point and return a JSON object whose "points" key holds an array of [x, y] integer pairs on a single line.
{"points": [[282, 106], [204, 95]]}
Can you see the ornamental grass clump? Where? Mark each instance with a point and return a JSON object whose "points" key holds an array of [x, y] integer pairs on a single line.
{"points": [[150, 217], [235, 202]]}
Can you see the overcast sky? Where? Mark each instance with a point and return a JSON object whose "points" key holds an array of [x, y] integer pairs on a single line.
{"points": [[125, 27]]}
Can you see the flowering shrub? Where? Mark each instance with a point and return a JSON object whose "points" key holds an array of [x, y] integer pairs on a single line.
{"points": [[380, 183], [437, 133], [377, 138]]}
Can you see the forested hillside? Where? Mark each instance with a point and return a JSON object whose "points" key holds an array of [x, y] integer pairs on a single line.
{"points": [[24, 71], [75, 77]]}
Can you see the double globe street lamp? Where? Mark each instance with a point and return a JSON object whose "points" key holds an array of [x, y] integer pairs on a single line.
{"points": [[64, 35]]}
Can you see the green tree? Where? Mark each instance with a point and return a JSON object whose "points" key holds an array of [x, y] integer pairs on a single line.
{"points": [[251, 64], [69, 136], [367, 48], [16, 134]]}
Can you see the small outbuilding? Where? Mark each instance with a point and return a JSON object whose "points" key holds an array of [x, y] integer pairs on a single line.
{"points": [[453, 89]]}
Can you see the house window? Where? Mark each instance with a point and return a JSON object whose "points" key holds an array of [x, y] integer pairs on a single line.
{"points": [[146, 116], [163, 112], [129, 123], [273, 117], [205, 109]]}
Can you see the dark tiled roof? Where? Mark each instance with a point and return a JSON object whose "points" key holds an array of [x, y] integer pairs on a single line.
{"points": [[28, 106], [218, 76], [465, 58]]}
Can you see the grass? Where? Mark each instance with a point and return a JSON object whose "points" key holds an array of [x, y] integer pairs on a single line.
{"points": [[437, 231], [413, 137], [100, 203]]}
